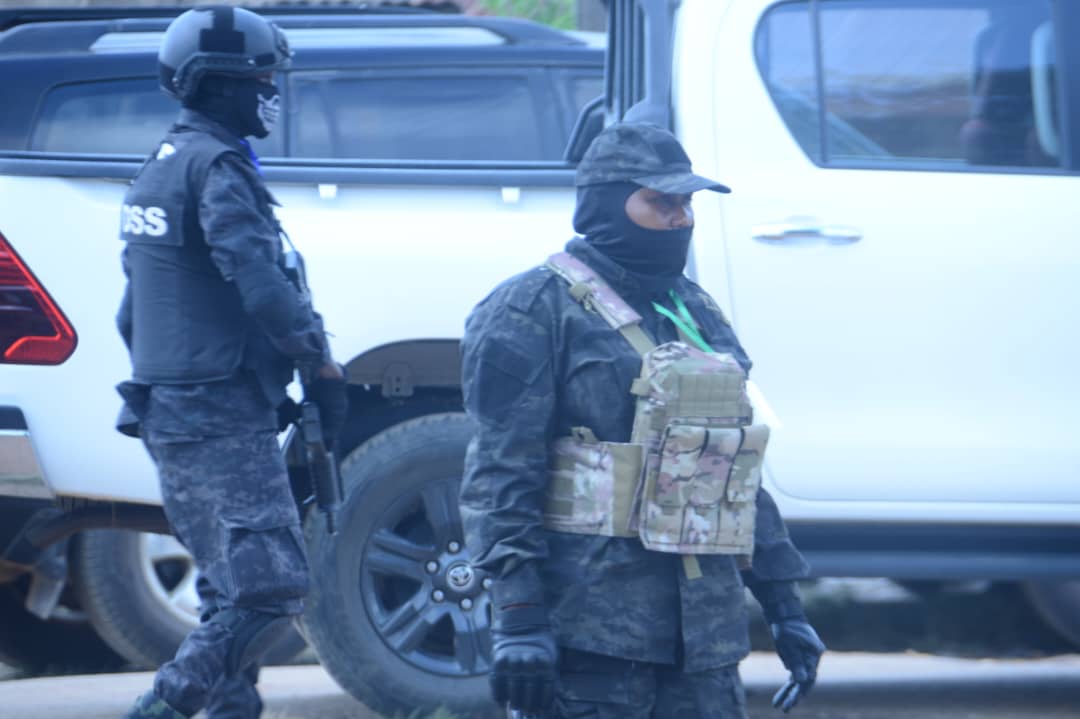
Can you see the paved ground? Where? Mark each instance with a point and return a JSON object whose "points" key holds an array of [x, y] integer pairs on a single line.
{"points": [[852, 686], [1015, 666]]}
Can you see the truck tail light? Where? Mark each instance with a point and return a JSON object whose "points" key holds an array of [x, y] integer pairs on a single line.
{"points": [[33, 330]]}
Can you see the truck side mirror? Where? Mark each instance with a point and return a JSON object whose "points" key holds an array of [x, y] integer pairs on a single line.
{"points": [[588, 125]]}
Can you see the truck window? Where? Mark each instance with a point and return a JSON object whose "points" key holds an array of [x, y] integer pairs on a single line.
{"points": [[902, 83], [112, 117], [473, 116], [127, 116]]}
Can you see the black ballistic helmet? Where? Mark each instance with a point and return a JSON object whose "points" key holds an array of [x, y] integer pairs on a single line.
{"points": [[220, 41]]}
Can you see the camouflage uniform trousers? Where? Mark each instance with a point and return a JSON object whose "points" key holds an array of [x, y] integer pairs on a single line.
{"points": [[228, 500], [592, 686]]}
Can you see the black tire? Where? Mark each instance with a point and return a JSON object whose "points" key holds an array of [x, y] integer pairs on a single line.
{"points": [[373, 617], [142, 602], [63, 644], [1058, 604]]}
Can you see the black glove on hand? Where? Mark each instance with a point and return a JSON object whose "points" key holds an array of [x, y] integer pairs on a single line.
{"points": [[523, 657], [332, 397], [287, 413], [800, 649]]}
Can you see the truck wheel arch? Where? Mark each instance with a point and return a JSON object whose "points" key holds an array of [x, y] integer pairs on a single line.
{"points": [[388, 385], [400, 368]]}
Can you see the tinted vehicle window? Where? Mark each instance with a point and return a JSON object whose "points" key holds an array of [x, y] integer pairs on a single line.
{"points": [[112, 117], [468, 114], [955, 84], [118, 116], [471, 116]]}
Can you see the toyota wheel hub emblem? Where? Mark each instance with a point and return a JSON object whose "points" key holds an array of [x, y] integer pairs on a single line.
{"points": [[460, 576]]}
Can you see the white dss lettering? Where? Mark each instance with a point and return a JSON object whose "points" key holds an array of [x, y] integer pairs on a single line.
{"points": [[145, 221]]}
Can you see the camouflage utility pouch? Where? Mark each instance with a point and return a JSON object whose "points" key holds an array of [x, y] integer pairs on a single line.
{"points": [[703, 456], [591, 489], [701, 500]]}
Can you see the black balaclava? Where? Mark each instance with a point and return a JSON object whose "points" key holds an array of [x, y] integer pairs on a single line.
{"points": [[245, 105], [657, 257]]}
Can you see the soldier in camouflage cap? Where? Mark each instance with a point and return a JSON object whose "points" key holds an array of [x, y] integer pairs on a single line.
{"points": [[644, 154], [594, 624]]}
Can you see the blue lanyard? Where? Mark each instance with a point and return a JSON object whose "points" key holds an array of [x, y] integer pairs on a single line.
{"points": [[251, 155]]}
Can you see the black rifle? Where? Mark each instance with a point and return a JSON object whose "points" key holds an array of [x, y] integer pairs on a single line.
{"points": [[321, 465]]}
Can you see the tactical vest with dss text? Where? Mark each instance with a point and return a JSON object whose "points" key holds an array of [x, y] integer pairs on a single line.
{"points": [[687, 481], [189, 322]]}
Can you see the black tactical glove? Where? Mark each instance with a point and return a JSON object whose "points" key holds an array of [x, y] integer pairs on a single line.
{"points": [[332, 397], [287, 413], [800, 649], [524, 657]]}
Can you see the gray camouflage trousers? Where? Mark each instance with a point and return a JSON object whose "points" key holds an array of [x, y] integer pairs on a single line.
{"points": [[228, 500], [592, 686]]}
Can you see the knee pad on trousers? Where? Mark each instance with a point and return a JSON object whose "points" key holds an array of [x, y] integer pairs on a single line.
{"points": [[254, 634]]}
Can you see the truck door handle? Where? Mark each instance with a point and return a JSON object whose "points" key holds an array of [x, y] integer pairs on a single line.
{"points": [[805, 228]]}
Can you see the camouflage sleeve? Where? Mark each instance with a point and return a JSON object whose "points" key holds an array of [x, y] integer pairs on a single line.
{"points": [[509, 393], [777, 564], [245, 247], [124, 316]]}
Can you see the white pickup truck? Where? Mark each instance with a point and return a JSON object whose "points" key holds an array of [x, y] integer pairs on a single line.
{"points": [[897, 256]]}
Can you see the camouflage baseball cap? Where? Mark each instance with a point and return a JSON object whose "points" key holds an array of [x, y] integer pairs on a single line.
{"points": [[645, 154]]}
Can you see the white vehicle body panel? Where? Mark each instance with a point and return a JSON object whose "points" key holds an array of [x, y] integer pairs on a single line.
{"points": [[386, 264], [925, 372], [921, 374]]}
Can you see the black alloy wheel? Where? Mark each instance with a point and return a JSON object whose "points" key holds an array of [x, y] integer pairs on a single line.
{"points": [[397, 614], [420, 592]]}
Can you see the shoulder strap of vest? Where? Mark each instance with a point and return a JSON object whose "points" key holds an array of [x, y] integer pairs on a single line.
{"points": [[592, 292]]}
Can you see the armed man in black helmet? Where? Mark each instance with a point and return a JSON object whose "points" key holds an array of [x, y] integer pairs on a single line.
{"points": [[216, 323]]}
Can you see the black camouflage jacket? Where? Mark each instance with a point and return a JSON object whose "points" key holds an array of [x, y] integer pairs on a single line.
{"points": [[535, 364]]}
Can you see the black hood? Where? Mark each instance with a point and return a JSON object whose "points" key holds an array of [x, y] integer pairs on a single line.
{"points": [[654, 257]]}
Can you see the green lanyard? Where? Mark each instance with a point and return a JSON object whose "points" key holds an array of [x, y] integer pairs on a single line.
{"points": [[685, 323]]}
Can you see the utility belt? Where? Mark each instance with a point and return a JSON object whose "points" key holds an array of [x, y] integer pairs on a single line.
{"points": [[687, 481]]}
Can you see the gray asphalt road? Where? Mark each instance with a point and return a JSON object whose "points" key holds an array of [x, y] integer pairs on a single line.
{"points": [[851, 686]]}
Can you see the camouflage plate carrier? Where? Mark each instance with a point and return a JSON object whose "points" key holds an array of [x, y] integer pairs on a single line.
{"points": [[687, 481]]}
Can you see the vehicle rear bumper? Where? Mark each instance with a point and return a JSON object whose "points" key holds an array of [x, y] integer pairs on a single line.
{"points": [[20, 471]]}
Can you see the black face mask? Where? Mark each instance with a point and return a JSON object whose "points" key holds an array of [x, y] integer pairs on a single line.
{"points": [[247, 106], [601, 217]]}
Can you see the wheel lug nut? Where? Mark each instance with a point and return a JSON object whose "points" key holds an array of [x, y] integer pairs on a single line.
{"points": [[432, 567], [487, 583], [466, 603], [438, 595], [455, 547]]}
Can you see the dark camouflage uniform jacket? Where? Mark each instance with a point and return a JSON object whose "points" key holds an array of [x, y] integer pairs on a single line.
{"points": [[535, 364]]}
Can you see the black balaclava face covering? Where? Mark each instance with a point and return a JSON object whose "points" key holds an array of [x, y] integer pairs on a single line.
{"points": [[601, 217], [245, 105]]}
